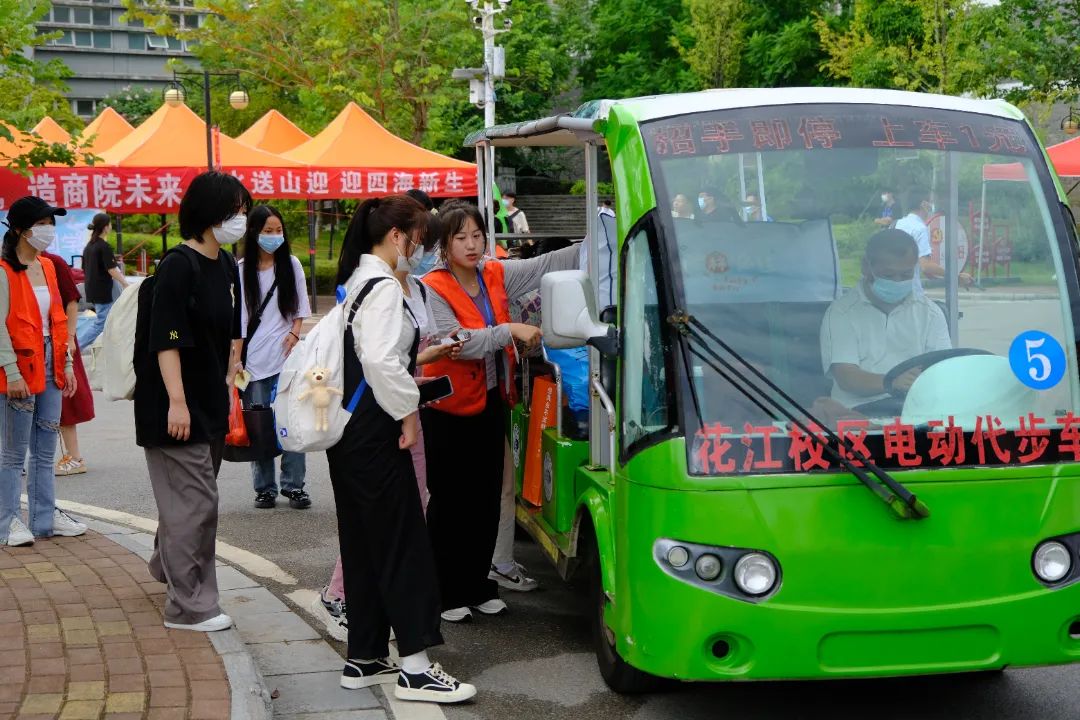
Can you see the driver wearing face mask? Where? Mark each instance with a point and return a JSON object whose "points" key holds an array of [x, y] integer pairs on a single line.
{"points": [[880, 324]]}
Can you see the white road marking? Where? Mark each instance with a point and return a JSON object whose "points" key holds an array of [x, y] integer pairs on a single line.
{"points": [[248, 561]]}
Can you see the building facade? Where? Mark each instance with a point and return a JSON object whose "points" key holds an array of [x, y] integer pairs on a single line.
{"points": [[106, 54]]}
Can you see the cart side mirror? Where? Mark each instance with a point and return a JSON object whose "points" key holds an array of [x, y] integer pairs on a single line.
{"points": [[568, 313]]}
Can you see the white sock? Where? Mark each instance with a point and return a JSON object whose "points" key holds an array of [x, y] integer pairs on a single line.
{"points": [[505, 568], [361, 660], [415, 663]]}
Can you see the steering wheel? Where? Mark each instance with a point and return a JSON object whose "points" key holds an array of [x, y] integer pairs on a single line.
{"points": [[924, 361]]}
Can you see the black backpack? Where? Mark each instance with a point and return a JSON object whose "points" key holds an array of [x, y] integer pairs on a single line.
{"points": [[141, 352]]}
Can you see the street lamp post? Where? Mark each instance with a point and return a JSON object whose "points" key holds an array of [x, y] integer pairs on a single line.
{"points": [[238, 98], [482, 83]]}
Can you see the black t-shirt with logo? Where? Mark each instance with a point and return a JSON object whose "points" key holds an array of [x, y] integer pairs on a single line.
{"points": [[97, 261], [202, 334]]}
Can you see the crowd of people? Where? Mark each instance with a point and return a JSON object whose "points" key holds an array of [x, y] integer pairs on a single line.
{"points": [[422, 540]]}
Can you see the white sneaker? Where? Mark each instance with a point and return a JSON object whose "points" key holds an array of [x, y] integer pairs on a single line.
{"points": [[457, 615], [491, 607], [433, 685], [514, 579], [214, 624], [65, 525], [337, 627], [18, 534]]}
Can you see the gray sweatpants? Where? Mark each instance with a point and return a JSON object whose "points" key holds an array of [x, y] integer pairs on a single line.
{"points": [[184, 479]]}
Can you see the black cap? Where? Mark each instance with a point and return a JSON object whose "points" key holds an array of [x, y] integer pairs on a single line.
{"points": [[25, 212]]}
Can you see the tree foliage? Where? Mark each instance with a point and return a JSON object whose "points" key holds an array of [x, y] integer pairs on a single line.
{"points": [[1036, 46], [30, 89], [134, 104]]}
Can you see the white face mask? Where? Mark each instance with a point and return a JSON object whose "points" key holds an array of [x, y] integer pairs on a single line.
{"points": [[231, 230], [42, 236], [410, 262]]}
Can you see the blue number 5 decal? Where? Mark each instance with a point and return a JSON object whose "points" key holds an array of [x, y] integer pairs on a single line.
{"points": [[1037, 359]]}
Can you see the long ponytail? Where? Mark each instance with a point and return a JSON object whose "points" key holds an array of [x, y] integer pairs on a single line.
{"points": [[371, 223], [7, 252]]}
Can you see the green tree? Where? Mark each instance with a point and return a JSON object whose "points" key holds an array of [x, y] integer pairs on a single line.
{"points": [[922, 45], [1036, 47], [630, 48], [135, 104], [30, 89]]}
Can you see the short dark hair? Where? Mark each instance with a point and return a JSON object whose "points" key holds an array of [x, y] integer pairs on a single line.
{"points": [[896, 243], [711, 191], [421, 197], [510, 195], [452, 216], [211, 199]]}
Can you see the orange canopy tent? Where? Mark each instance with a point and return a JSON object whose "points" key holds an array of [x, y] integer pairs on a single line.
{"points": [[175, 137], [1066, 157], [383, 162], [107, 129], [273, 132], [50, 131]]}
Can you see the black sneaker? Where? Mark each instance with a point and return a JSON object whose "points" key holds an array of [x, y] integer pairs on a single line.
{"points": [[358, 674], [265, 500], [433, 685], [298, 499]]}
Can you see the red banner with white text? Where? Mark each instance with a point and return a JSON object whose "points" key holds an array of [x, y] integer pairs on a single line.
{"points": [[158, 190]]}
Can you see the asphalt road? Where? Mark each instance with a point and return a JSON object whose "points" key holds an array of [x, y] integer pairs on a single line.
{"points": [[535, 661]]}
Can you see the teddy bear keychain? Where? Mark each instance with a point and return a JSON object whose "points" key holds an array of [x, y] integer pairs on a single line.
{"points": [[320, 394]]}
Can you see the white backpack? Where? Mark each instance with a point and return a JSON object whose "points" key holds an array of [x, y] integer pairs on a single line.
{"points": [[309, 404], [117, 371]]}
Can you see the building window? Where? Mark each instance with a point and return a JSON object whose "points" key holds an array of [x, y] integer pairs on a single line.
{"points": [[191, 21], [64, 39], [83, 16], [61, 15], [103, 40], [156, 42], [175, 44], [84, 39], [102, 17], [136, 41], [84, 108], [134, 22]]}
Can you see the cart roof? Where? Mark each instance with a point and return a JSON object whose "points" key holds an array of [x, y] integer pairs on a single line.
{"points": [[578, 128]]}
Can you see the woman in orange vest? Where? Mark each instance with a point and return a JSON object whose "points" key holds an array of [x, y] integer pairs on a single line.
{"points": [[36, 373], [464, 435]]}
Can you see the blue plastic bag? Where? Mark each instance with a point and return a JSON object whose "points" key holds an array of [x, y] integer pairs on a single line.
{"points": [[574, 366]]}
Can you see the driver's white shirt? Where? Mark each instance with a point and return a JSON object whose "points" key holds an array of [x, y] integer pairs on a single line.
{"points": [[855, 332]]}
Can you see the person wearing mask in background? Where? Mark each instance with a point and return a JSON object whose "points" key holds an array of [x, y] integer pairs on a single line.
{"points": [[36, 373], [752, 210], [888, 209], [274, 305], [715, 207], [681, 208], [431, 254], [389, 570], [78, 407], [516, 217], [472, 292], [99, 265], [182, 396]]}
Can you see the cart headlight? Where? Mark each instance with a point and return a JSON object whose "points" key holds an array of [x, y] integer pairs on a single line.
{"points": [[1052, 561], [708, 567], [755, 574], [678, 556]]}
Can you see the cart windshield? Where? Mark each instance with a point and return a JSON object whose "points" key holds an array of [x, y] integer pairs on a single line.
{"points": [[902, 272]]}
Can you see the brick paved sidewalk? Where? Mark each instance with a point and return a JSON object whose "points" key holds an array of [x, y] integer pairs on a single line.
{"points": [[82, 637]]}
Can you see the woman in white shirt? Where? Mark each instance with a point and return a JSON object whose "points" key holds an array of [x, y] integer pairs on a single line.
{"points": [[389, 567], [274, 306]]}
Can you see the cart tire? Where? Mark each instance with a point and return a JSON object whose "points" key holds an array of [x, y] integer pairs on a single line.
{"points": [[619, 675]]}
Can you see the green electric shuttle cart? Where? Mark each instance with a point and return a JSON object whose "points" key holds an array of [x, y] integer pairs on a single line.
{"points": [[744, 509]]}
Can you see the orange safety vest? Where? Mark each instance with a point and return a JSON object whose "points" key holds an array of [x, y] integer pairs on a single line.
{"points": [[469, 377], [24, 327]]}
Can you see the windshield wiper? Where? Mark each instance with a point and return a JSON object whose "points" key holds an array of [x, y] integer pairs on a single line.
{"points": [[900, 500]]}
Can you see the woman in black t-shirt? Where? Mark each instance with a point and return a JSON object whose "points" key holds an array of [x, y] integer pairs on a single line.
{"points": [[99, 266], [181, 396]]}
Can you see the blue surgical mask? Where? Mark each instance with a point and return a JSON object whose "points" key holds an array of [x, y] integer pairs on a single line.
{"points": [[426, 263], [270, 243], [892, 292]]}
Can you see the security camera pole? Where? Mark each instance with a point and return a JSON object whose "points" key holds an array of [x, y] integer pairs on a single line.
{"points": [[482, 83]]}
